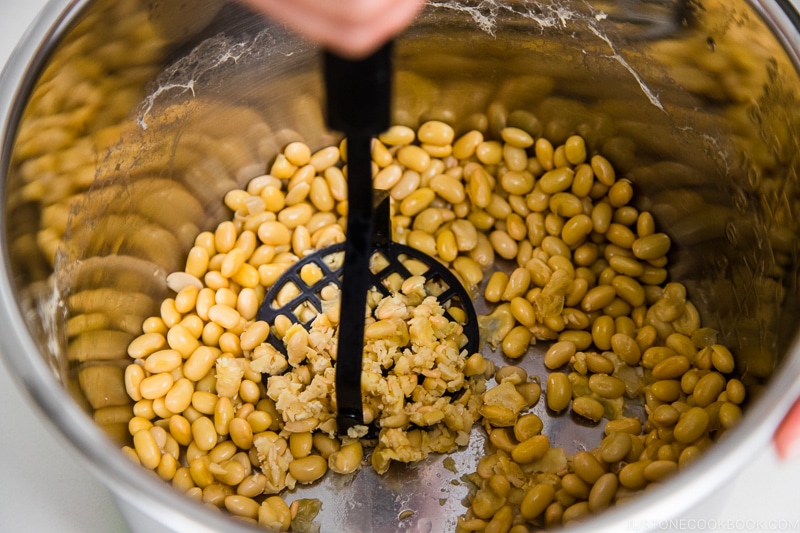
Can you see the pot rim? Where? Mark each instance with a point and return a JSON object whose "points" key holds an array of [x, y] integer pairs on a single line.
{"points": [[154, 498]]}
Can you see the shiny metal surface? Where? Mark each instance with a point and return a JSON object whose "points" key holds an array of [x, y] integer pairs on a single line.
{"points": [[697, 107]]}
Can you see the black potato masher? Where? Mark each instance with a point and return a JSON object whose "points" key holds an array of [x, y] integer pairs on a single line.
{"points": [[358, 104]]}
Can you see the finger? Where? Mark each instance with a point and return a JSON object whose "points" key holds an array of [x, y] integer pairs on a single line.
{"points": [[339, 13], [344, 33], [355, 13], [787, 437], [357, 38]]}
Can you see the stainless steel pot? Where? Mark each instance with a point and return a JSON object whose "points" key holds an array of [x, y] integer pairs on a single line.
{"points": [[124, 123]]}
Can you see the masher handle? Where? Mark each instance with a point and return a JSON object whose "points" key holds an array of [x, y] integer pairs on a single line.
{"points": [[359, 92], [358, 104]]}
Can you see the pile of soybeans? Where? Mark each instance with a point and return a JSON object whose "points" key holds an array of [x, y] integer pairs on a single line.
{"points": [[547, 236]]}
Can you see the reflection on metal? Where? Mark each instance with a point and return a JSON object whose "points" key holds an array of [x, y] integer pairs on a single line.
{"points": [[696, 103]]}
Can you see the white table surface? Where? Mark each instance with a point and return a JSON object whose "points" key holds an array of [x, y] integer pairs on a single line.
{"points": [[43, 487]]}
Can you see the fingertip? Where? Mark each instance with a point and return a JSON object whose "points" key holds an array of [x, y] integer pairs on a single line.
{"points": [[356, 40], [787, 437]]}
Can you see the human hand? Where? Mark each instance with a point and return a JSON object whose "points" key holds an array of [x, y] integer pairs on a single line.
{"points": [[351, 28], [787, 437]]}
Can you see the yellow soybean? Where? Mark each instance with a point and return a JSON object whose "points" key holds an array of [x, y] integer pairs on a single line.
{"points": [[516, 343], [691, 425], [308, 469], [606, 386], [588, 408], [558, 392], [651, 246], [531, 449], [603, 492], [556, 180], [559, 354]]}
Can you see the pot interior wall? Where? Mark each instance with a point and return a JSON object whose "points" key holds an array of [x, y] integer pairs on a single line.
{"points": [[135, 130]]}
